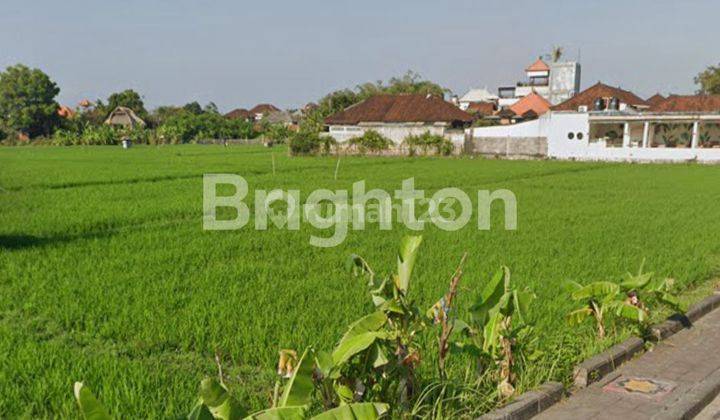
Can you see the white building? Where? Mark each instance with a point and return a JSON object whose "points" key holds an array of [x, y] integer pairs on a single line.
{"points": [[476, 95], [399, 116], [609, 124], [556, 82]]}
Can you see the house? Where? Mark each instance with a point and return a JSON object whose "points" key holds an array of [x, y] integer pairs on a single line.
{"points": [[262, 110], [477, 96], [556, 82], [656, 99], [240, 114], [606, 123], [399, 116], [124, 117], [65, 111], [530, 106], [482, 109]]}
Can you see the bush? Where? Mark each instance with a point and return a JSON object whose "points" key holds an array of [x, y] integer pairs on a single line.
{"points": [[186, 128], [309, 143], [371, 141], [427, 141]]}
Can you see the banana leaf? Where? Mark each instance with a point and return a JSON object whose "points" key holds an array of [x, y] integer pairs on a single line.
{"points": [[218, 400], [406, 261], [90, 407], [578, 316], [279, 413], [598, 289], [489, 298], [359, 411], [299, 388]]}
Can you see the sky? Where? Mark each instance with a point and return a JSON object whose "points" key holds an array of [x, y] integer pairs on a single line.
{"points": [[240, 53]]}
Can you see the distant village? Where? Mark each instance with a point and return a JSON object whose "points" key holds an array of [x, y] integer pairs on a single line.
{"points": [[545, 115]]}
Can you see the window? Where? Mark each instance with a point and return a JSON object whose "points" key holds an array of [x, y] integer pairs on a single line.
{"points": [[571, 135], [580, 136]]}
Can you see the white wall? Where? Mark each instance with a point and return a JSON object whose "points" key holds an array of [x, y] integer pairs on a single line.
{"points": [[395, 132], [534, 128]]}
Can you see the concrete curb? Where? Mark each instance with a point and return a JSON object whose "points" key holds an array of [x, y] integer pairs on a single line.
{"points": [[678, 322], [529, 404], [692, 403], [594, 368]]}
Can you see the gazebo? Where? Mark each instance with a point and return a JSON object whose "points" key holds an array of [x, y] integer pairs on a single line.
{"points": [[125, 117]]}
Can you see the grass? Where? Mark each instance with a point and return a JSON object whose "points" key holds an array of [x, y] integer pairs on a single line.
{"points": [[106, 275]]}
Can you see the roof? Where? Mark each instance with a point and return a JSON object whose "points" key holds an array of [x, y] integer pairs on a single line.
{"points": [[65, 111], [124, 116], [532, 102], [240, 114], [478, 95], [279, 117], [695, 103], [655, 99], [538, 65], [400, 108], [481, 108], [599, 90], [264, 109], [505, 113]]}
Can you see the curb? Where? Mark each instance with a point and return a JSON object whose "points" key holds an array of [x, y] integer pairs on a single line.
{"points": [[529, 404], [678, 322], [692, 403], [594, 368]]}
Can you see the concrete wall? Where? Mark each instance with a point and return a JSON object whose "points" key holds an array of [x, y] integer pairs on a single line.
{"points": [[395, 132], [507, 146], [564, 81]]}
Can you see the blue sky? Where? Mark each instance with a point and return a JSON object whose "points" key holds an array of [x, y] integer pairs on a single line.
{"points": [[239, 53]]}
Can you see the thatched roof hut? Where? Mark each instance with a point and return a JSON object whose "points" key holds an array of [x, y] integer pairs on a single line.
{"points": [[125, 117]]}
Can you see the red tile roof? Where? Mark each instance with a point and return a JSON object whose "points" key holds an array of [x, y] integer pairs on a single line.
{"points": [[696, 103], [65, 111], [400, 108], [264, 109], [240, 114], [656, 99], [532, 102], [481, 108], [588, 96], [538, 65]]}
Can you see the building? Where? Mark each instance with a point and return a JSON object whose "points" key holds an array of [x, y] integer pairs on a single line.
{"points": [[606, 123], [262, 110], [240, 114], [556, 82], [530, 105], [476, 96], [399, 116], [124, 117], [65, 111]]}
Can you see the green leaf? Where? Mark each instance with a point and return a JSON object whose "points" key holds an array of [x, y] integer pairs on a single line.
{"points": [[368, 323], [359, 411], [631, 312], [489, 298], [492, 332], [352, 346], [324, 362], [378, 356], [636, 282], [406, 261], [200, 412], [299, 388], [598, 289], [223, 406], [578, 316], [344, 393], [521, 302], [279, 413], [90, 407]]}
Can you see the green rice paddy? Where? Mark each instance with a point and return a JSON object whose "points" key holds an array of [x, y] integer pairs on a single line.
{"points": [[106, 275]]}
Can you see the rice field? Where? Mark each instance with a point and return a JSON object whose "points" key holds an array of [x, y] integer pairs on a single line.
{"points": [[106, 275]]}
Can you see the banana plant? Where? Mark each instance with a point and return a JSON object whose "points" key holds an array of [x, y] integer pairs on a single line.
{"points": [[498, 329], [377, 356], [626, 300]]}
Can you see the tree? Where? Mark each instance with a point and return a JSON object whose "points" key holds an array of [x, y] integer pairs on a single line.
{"points": [[193, 108], [27, 101], [129, 99], [709, 81]]}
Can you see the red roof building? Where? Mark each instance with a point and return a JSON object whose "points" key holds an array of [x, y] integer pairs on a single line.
{"points": [[240, 114], [589, 96], [538, 65], [400, 109], [656, 99], [692, 104], [532, 102]]}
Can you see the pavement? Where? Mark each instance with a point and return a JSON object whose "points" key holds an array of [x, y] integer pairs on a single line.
{"points": [[676, 379]]}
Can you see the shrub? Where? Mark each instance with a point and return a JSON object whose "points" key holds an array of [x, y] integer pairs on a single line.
{"points": [[308, 143], [427, 141], [371, 141], [186, 128]]}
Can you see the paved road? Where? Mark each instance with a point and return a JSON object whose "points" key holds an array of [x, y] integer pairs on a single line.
{"points": [[675, 366], [711, 412]]}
